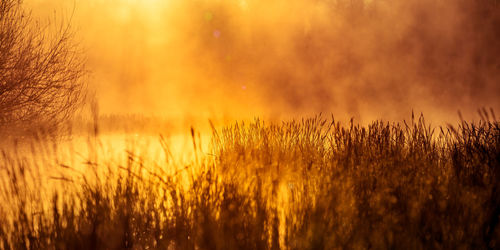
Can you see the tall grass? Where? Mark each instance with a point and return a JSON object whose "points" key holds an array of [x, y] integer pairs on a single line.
{"points": [[307, 184]]}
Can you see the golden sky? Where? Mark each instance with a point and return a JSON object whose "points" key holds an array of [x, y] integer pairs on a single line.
{"points": [[281, 58]]}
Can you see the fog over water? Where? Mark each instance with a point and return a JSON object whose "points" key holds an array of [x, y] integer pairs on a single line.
{"points": [[229, 59]]}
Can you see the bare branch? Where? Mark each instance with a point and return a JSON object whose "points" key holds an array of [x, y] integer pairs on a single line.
{"points": [[41, 74]]}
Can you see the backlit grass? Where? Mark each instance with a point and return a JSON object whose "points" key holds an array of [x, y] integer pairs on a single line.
{"points": [[306, 184]]}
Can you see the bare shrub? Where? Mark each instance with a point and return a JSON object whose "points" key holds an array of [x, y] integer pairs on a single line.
{"points": [[41, 70]]}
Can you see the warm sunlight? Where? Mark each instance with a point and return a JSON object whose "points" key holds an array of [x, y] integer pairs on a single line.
{"points": [[249, 124]]}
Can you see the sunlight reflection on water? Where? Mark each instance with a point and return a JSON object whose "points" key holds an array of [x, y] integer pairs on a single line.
{"points": [[78, 156], [157, 149]]}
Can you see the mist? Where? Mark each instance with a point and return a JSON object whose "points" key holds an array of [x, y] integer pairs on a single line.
{"points": [[288, 58]]}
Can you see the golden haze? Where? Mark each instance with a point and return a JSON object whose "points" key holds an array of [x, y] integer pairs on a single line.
{"points": [[281, 58]]}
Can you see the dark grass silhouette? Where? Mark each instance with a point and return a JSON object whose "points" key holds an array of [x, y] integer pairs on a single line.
{"points": [[308, 184]]}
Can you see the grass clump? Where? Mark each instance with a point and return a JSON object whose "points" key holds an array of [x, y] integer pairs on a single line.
{"points": [[308, 184]]}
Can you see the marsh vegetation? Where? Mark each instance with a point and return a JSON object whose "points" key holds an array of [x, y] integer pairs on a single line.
{"points": [[71, 178], [304, 184]]}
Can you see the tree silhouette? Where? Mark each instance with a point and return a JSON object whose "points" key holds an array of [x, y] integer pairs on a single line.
{"points": [[41, 71]]}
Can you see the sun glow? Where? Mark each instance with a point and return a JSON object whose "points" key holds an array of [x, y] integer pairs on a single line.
{"points": [[280, 58], [186, 124]]}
